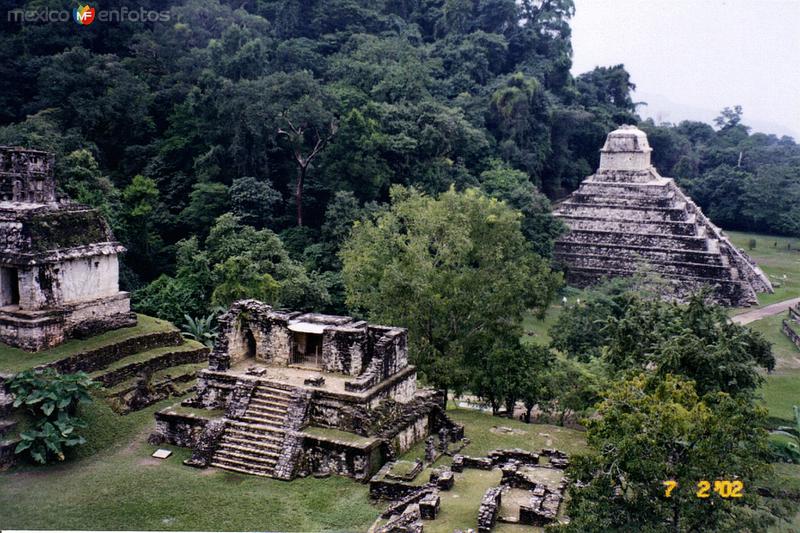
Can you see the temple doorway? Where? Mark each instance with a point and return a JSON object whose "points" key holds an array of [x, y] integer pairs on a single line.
{"points": [[307, 349], [9, 287], [249, 344]]}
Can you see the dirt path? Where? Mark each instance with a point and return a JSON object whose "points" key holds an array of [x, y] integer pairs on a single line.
{"points": [[763, 312]]}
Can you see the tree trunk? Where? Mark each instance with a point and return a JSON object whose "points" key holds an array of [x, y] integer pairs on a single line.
{"points": [[528, 414], [511, 403], [298, 193]]}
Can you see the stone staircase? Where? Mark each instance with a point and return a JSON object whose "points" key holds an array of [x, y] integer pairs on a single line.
{"points": [[254, 441]]}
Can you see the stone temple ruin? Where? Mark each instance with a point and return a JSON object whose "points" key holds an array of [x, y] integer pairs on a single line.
{"points": [[289, 394], [59, 275], [626, 215]]}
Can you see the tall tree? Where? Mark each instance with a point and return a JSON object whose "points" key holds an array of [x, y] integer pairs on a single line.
{"points": [[456, 270]]}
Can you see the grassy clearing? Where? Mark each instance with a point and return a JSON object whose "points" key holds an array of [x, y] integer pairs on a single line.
{"points": [[16, 360], [777, 257], [481, 429], [121, 487], [781, 389]]}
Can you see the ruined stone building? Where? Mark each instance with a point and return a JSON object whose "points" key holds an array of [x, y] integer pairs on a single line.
{"points": [[58, 260], [290, 393], [626, 215]]}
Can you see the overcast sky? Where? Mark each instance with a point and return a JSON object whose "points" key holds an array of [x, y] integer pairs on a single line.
{"points": [[691, 58]]}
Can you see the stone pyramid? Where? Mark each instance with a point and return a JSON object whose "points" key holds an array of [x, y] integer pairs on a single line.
{"points": [[627, 216]]}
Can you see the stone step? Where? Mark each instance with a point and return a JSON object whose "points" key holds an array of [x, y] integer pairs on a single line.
{"points": [[614, 212], [642, 252], [261, 409], [577, 259], [266, 392], [599, 272], [257, 442], [683, 228], [270, 402], [247, 455], [131, 343], [258, 428], [632, 238], [263, 420], [242, 468], [246, 435]]}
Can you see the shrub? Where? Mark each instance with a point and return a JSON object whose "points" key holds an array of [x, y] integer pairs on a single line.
{"points": [[51, 399]]}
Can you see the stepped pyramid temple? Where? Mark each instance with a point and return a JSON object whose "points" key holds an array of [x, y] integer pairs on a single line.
{"points": [[58, 260], [626, 215], [289, 394]]}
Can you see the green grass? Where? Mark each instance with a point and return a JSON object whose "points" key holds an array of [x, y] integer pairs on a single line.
{"points": [[16, 360], [776, 260], [115, 484], [786, 353], [537, 330], [479, 429], [780, 392], [781, 389]]}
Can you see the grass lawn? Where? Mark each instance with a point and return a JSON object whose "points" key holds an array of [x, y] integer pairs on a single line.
{"points": [[782, 387], [776, 260], [115, 484], [15, 360]]}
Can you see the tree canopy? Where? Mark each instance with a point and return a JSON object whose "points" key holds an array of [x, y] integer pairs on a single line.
{"points": [[456, 270]]}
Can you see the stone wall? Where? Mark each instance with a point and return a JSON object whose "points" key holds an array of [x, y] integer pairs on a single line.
{"points": [[26, 175], [344, 349], [326, 456], [787, 329], [490, 506], [178, 429]]}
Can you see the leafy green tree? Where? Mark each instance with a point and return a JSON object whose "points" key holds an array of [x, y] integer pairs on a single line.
{"points": [[51, 398], [629, 331], [514, 187], [513, 372], [207, 201], [239, 278], [456, 270], [649, 430], [697, 341], [255, 202], [140, 199]]}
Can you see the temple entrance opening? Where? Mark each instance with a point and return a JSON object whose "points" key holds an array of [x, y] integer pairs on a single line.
{"points": [[307, 344], [9, 287]]}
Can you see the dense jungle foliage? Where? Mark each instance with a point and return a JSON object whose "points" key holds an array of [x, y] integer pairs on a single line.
{"points": [[233, 145]]}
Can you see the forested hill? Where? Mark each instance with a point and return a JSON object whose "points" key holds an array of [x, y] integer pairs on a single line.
{"points": [[233, 145]]}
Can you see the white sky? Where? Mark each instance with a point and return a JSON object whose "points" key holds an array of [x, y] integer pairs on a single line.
{"points": [[691, 58]]}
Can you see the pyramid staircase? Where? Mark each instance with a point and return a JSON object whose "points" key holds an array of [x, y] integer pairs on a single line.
{"points": [[254, 441]]}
